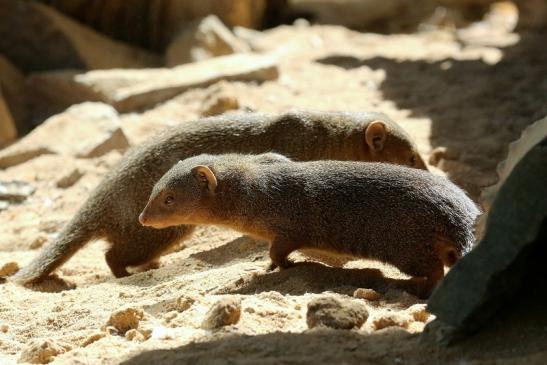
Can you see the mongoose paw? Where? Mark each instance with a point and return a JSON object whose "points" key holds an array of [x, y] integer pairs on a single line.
{"points": [[284, 265]]}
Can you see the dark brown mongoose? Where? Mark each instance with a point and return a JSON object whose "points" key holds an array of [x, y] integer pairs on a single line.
{"points": [[111, 212], [409, 218]]}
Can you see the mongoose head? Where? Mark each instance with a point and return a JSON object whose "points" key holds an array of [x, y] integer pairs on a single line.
{"points": [[185, 194], [387, 142]]}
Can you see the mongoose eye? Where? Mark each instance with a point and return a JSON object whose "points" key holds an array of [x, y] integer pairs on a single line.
{"points": [[169, 199], [413, 160]]}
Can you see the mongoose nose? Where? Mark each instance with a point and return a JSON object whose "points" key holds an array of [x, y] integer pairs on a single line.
{"points": [[142, 219]]}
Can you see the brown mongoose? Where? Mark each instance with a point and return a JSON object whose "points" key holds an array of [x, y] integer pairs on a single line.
{"points": [[111, 212], [409, 218]]}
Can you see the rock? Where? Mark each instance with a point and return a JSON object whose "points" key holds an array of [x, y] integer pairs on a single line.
{"points": [[134, 90], [225, 312], [9, 269], [70, 179], [515, 232], [154, 23], [4, 328], [42, 351], [334, 313], [8, 130], [203, 39], [15, 191], [368, 294], [86, 130], [125, 319], [46, 39], [220, 101], [93, 338], [390, 320], [134, 335], [419, 312], [12, 87], [183, 304]]}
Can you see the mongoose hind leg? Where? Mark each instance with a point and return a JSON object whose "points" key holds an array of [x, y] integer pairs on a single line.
{"points": [[280, 249], [427, 270], [142, 247]]}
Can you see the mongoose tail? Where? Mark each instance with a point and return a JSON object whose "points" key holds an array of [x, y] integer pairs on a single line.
{"points": [[76, 234]]}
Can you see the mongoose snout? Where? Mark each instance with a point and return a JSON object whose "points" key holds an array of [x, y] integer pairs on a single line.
{"points": [[406, 217]]}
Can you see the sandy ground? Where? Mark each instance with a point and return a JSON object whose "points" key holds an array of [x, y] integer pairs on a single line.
{"points": [[472, 95]]}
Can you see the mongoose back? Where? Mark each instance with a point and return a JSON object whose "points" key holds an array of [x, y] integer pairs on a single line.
{"points": [[406, 217], [111, 212]]}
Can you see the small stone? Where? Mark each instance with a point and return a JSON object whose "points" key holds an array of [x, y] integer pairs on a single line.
{"points": [[419, 312], [218, 104], [4, 328], [93, 338], [134, 335], [184, 303], [390, 320], [42, 351], [368, 294], [225, 312], [69, 179], [38, 241], [125, 319], [15, 191], [334, 313], [9, 269]]}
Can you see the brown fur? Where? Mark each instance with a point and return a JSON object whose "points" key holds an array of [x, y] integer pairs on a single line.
{"points": [[111, 211], [406, 217]]}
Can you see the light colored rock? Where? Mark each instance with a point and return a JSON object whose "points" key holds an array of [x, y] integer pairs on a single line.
{"points": [[12, 87], [8, 131], [8, 269], [46, 39], [133, 90], [42, 351], [368, 294], [15, 191], [225, 312], [125, 319], [201, 40], [334, 313], [85, 130]]}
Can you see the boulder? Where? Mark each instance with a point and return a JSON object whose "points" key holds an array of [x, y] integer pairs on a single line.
{"points": [[46, 39], [201, 40], [134, 90], [512, 246], [86, 130], [163, 19]]}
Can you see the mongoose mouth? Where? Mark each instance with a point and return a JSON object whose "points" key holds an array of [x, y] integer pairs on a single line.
{"points": [[147, 221]]}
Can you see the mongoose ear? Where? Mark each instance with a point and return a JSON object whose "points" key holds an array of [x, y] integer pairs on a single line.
{"points": [[375, 135], [205, 177]]}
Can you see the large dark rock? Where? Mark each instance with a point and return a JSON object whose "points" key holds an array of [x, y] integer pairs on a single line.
{"points": [[513, 245], [35, 37]]}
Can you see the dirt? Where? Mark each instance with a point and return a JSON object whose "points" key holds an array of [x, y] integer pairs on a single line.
{"points": [[470, 96]]}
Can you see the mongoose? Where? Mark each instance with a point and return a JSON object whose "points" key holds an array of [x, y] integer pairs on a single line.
{"points": [[111, 212], [409, 218]]}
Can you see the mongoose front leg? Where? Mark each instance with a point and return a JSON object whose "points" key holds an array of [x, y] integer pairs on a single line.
{"points": [[118, 268], [279, 251], [431, 280]]}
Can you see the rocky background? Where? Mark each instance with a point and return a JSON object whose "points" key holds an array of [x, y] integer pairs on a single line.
{"points": [[83, 80]]}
